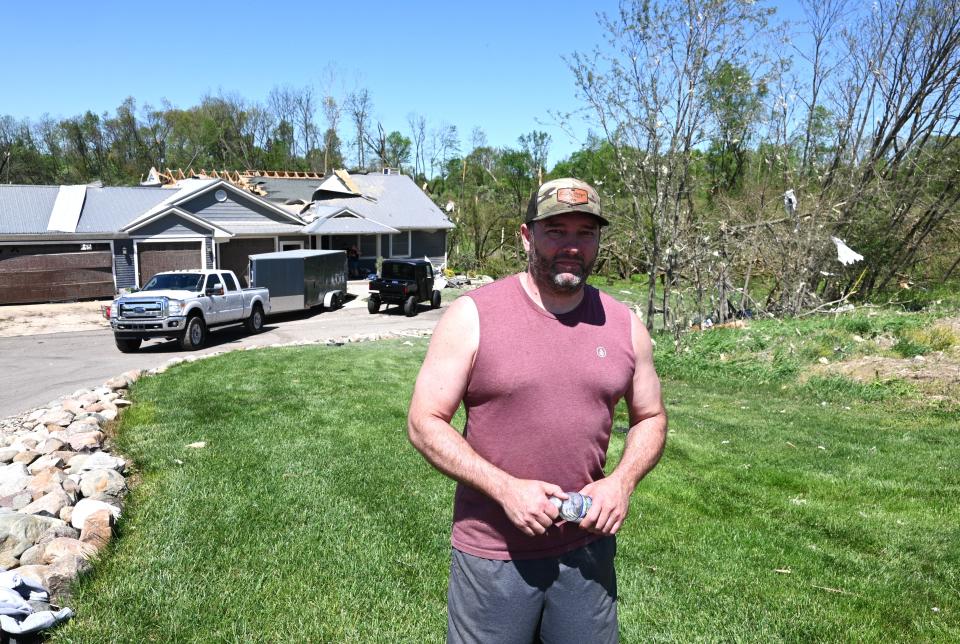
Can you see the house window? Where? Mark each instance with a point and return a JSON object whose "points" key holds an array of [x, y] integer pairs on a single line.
{"points": [[368, 245], [400, 244]]}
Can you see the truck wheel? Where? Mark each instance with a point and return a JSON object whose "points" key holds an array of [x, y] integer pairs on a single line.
{"points": [[128, 345], [373, 304], [410, 306], [254, 323], [196, 334], [435, 300]]}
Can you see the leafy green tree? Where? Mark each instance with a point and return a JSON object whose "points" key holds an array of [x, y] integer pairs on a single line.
{"points": [[735, 102], [397, 150]]}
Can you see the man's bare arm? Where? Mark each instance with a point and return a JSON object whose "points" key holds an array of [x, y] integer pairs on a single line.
{"points": [[437, 394], [645, 441]]}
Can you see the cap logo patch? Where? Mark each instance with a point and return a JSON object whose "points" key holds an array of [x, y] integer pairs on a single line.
{"points": [[572, 196]]}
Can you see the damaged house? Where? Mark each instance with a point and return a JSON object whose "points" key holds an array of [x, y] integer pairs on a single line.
{"points": [[79, 242]]}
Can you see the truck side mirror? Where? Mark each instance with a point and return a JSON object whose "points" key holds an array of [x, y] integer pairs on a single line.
{"points": [[216, 290]]}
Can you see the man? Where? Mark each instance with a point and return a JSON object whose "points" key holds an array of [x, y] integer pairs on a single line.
{"points": [[539, 360]]}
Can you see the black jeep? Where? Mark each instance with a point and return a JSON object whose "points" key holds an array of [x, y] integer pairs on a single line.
{"points": [[403, 282]]}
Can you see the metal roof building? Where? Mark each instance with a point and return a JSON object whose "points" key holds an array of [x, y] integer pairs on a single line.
{"points": [[73, 242]]}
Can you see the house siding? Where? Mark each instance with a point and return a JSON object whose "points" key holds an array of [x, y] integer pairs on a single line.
{"points": [[123, 264], [171, 225], [234, 210]]}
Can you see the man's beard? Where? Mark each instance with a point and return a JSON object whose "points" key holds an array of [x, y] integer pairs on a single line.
{"points": [[546, 274]]}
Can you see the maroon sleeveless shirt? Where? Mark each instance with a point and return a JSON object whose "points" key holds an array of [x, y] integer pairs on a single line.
{"points": [[540, 405]]}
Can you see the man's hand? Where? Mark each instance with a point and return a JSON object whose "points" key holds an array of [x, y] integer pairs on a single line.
{"points": [[527, 504], [611, 503]]}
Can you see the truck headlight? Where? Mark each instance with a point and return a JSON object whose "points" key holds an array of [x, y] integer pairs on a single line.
{"points": [[174, 307]]}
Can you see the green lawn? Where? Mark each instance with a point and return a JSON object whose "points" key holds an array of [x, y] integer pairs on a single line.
{"points": [[308, 517]]}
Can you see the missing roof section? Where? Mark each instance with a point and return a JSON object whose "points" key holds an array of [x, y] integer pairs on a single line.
{"points": [[66, 209]]}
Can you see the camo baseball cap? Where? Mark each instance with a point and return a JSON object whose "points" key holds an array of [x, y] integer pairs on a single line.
{"points": [[561, 196]]}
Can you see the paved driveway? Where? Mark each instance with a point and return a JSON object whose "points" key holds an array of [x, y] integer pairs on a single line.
{"points": [[37, 369]]}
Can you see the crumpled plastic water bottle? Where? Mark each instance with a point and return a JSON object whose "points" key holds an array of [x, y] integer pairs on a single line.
{"points": [[575, 508]]}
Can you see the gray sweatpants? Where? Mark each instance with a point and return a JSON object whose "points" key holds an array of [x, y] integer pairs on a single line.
{"points": [[570, 598]]}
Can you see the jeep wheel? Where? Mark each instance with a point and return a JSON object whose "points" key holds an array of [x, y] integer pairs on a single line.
{"points": [[254, 323], [410, 306], [373, 304], [128, 345], [196, 334], [435, 300]]}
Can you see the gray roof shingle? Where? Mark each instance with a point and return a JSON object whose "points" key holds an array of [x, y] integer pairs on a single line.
{"points": [[283, 190], [400, 203], [332, 225], [110, 209], [26, 210]]}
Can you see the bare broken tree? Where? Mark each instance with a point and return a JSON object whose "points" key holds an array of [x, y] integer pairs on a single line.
{"points": [[331, 114], [647, 93], [359, 106]]}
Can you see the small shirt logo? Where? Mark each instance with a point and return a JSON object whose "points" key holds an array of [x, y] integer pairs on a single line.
{"points": [[601, 352]]}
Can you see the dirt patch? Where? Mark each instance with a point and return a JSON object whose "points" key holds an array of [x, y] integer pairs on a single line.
{"points": [[35, 319], [936, 374], [941, 367]]}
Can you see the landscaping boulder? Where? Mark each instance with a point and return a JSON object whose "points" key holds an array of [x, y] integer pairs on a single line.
{"points": [[98, 529], [72, 406], [13, 478], [61, 573], [83, 424], [18, 532], [86, 507], [17, 501], [32, 556], [26, 457], [57, 416], [96, 461], [34, 572], [49, 504], [62, 547], [103, 485], [50, 445], [86, 441], [45, 481], [50, 461]]}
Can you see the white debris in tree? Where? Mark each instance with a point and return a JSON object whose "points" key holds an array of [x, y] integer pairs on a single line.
{"points": [[845, 254], [790, 202]]}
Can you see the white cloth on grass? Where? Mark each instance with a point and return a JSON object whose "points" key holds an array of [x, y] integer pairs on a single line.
{"points": [[17, 616]]}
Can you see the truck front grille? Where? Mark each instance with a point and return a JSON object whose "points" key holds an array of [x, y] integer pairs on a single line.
{"points": [[139, 310]]}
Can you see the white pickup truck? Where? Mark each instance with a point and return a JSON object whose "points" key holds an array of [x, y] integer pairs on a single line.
{"points": [[183, 305]]}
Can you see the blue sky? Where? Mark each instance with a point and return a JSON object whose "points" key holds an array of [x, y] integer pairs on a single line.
{"points": [[497, 65]]}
